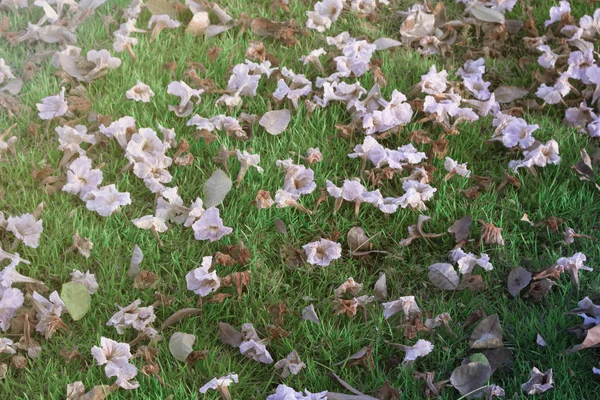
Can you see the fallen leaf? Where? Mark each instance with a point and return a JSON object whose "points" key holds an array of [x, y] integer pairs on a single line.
{"points": [[470, 377], [539, 289], [417, 232], [179, 315], [136, 258], [487, 334], [145, 279], [508, 94], [362, 357], [443, 276], [229, 335], [486, 14], [490, 233], [472, 282], [460, 228], [473, 317], [159, 7], [518, 279], [540, 340], [198, 24], [498, 357], [386, 43], [275, 121], [240, 252], [592, 338], [380, 289], [309, 314], [216, 188], [180, 345], [280, 226], [77, 299], [277, 311]]}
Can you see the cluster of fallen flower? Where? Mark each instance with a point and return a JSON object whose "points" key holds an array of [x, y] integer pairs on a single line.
{"points": [[571, 78]]}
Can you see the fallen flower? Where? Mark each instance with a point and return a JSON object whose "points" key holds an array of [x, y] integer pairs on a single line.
{"points": [[322, 252], [140, 92], [201, 281], [221, 384]]}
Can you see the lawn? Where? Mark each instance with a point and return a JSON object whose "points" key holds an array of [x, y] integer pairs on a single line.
{"points": [[555, 191]]}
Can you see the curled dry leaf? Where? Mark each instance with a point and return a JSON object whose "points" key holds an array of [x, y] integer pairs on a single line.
{"points": [[275, 121], [491, 234], [443, 276], [584, 170], [179, 315], [180, 345], [539, 382], [417, 232], [239, 279], [229, 335], [364, 356], [539, 289], [592, 339], [216, 188], [309, 314], [487, 334], [472, 282], [518, 279], [460, 228]]}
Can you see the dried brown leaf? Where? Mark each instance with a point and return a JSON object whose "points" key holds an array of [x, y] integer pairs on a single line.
{"points": [[229, 335], [518, 279], [460, 228], [180, 315], [443, 276], [487, 334], [239, 279]]}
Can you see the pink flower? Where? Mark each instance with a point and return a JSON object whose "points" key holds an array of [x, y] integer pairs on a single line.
{"points": [[322, 252], [107, 200], [201, 281], [53, 106]]}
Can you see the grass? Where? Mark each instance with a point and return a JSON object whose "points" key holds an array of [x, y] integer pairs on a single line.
{"points": [[555, 192]]}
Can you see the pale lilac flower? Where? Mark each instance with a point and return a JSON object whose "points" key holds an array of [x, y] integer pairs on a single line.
{"points": [[371, 150], [519, 132], [185, 93], [419, 349], [407, 304], [557, 12], [416, 195], [140, 92], [484, 108], [123, 42], [313, 58], [7, 346], [53, 106], [86, 279], [389, 205], [579, 63], [429, 45], [554, 94], [26, 228], [540, 156], [434, 82], [196, 211], [144, 145], [118, 130], [11, 299], [132, 316], [256, 350], [290, 365], [502, 5], [153, 170], [48, 312], [210, 226], [163, 20], [81, 178], [219, 383], [283, 392], [594, 127], [168, 135], [150, 222], [322, 252], [9, 275], [468, 261], [548, 58], [407, 154], [300, 86], [353, 190], [325, 13], [5, 71], [115, 356], [201, 281], [472, 68], [340, 41], [264, 68], [454, 167], [134, 9], [478, 87], [572, 265], [590, 25], [580, 116], [357, 57], [299, 180], [70, 140], [107, 200], [247, 160]]}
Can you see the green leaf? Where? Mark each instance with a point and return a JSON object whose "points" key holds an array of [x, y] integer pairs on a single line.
{"points": [[478, 357], [77, 299], [216, 188]]}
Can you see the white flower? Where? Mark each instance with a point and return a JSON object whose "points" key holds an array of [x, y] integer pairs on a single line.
{"points": [[518, 132], [115, 356], [124, 372], [322, 252], [107, 200], [151, 222], [372, 150], [145, 144], [478, 87], [434, 82], [26, 228], [53, 106], [299, 180], [163, 20], [71, 138], [86, 279], [548, 58], [417, 193], [541, 156], [7, 346], [201, 281], [48, 313], [554, 94], [468, 261], [140, 92]]}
